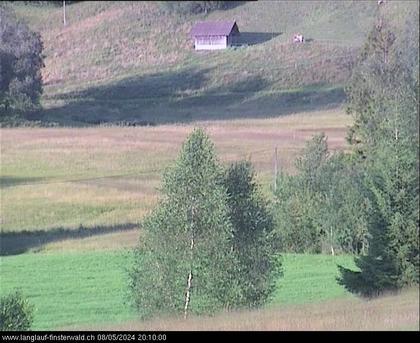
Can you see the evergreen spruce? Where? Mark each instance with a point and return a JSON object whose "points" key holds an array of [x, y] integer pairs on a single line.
{"points": [[386, 124]]}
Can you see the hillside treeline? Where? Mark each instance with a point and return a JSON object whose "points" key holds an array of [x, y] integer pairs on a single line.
{"points": [[364, 202], [195, 7]]}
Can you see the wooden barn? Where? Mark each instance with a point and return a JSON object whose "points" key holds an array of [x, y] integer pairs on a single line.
{"points": [[214, 35]]}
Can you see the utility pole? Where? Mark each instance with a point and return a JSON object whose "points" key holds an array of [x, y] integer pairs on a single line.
{"points": [[276, 161], [64, 13]]}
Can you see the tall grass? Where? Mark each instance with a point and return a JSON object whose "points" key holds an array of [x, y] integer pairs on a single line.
{"points": [[65, 178], [389, 313]]}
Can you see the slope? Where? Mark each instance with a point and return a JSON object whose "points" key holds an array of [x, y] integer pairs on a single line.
{"points": [[132, 62]]}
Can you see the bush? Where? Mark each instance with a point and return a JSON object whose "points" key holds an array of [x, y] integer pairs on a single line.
{"points": [[21, 61], [194, 7], [16, 314]]}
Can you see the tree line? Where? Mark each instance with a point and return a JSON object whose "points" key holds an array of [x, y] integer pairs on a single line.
{"points": [[365, 202], [195, 7]]}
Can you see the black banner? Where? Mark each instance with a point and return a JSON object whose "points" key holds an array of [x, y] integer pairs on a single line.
{"points": [[171, 336]]}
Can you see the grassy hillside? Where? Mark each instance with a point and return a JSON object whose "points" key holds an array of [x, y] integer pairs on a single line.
{"points": [[91, 287], [130, 61]]}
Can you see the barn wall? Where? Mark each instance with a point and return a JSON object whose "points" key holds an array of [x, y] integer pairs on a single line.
{"points": [[233, 40], [210, 43]]}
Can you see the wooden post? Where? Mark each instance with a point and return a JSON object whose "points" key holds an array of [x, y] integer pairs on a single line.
{"points": [[64, 13], [275, 169]]}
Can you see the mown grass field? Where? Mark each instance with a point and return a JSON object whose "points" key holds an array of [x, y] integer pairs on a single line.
{"points": [[91, 287], [88, 290], [69, 288], [61, 179]]}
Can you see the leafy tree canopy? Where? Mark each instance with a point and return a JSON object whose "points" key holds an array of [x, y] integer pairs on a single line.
{"points": [[21, 61]]}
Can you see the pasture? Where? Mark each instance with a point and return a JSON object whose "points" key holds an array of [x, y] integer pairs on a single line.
{"points": [[88, 290], [58, 180], [73, 200], [84, 288]]}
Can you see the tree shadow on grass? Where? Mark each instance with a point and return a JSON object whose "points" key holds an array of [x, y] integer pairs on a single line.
{"points": [[254, 38], [136, 100], [185, 96], [10, 181], [15, 243]]}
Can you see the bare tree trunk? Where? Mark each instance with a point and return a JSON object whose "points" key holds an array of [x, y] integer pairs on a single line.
{"points": [[187, 296], [64, 13], [331, 238], [396, 137], [275, 169], [190, 275]]}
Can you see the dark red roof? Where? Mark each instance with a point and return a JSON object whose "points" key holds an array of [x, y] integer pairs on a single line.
{"points": [[214, 28]]}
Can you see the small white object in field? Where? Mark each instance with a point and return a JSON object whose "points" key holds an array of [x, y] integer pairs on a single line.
{"points": [[298, 38]]}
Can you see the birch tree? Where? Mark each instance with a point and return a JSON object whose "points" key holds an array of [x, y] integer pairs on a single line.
{"points": [[185, 263], [253, 225]]}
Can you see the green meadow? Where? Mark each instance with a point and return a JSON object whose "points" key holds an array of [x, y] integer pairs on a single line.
{"points": [[91, 287]]}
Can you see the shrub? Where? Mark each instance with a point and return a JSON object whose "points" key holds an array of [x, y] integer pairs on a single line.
{"points": [[16, 314], [21, 61], [194, 7]]}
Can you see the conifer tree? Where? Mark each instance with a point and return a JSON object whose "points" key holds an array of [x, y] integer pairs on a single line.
{"points": [[386, 124]]}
